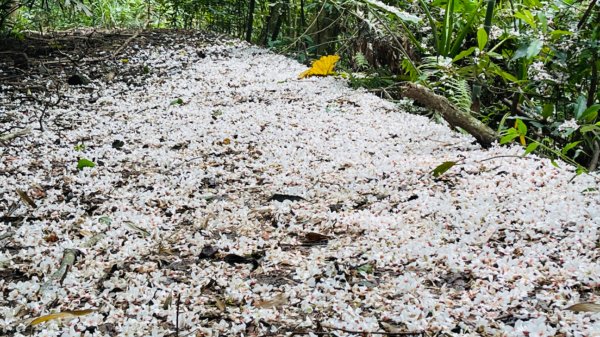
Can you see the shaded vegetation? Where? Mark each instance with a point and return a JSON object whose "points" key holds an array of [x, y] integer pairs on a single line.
{"points": [[526, 68]]}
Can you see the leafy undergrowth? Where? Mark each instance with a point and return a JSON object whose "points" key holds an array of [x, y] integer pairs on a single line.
{"points": [[199, 181]]}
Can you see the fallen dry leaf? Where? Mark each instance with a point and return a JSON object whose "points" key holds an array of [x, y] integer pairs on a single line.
{"points": [[276, 301], [584, 307], [26, 199], [59, 315]]}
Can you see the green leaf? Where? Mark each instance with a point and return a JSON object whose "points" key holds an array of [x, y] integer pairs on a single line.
{"points": [[581, 170], [548, 110], [366, 268], [509, 136], [505, 75], [466, 29], [554, 163], [82, 163], [482, 38], [543, 20], [526, 16], [580, 105], [494, 55], [404, 16], [520, 53], [105, 220], [530, 148], [589, 128], [447, 27], [534, 48], [558, 33], [177, 101], [590, 114], [521, 127], [442, 168], [569, 147], [590, 190], [528, 51], [463, 54]]}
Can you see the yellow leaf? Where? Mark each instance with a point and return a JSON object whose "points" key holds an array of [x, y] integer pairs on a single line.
{"points": [[321, 67], [59, 315], [226, 141]]}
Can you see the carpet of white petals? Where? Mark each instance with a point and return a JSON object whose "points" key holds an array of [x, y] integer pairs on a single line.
{"points": [[189, 219]]}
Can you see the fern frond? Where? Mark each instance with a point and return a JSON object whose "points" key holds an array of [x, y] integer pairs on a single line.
{"points": [[460, 93]]}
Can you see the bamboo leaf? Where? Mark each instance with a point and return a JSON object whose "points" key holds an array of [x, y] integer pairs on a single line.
{"points": [[442, 168], [144, 233]]}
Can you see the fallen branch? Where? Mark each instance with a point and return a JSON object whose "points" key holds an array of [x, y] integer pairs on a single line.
{"points": [[10, 136], [455, 117]]}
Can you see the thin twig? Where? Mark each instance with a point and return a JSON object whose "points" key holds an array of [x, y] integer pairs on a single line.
{"points": [[307, 29], [506, 156], [116, 52], [384, 333], [177, 315]]}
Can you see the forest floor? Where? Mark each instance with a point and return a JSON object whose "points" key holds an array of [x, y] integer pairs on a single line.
{"points": [[233, 199]]}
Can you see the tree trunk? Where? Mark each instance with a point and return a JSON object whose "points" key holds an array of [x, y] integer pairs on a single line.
{"points": [[281, 14], [264, 36], [302, 16], [250, 23], [455, 117]]}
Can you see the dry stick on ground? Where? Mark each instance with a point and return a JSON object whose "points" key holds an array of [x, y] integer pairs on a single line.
{"points": [[383, 333], [455, 117], [177, 315], [5, 138], [116, 52]]}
